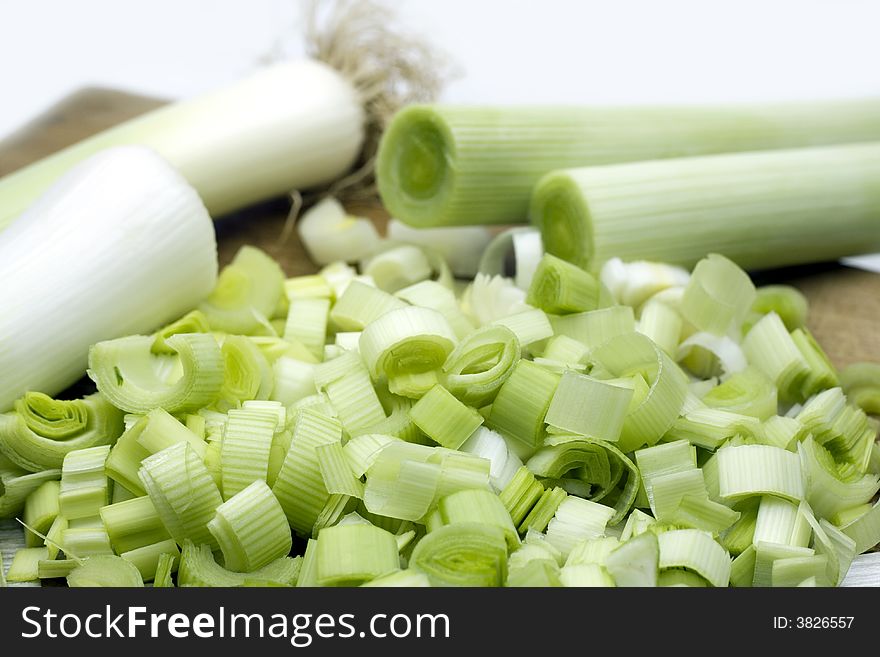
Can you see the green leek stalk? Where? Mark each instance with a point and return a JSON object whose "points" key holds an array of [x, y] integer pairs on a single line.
{"points": [[450, 166], [761, 210]]}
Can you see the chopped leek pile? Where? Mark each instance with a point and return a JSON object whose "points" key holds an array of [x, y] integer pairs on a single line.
{"points": [[638, 426]]}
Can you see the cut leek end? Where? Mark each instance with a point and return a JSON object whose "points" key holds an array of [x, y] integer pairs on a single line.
{"points": [[413, 169], [558, 209]]}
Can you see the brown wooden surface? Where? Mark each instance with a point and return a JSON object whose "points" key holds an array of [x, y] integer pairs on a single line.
{"points": [[845, 303]]}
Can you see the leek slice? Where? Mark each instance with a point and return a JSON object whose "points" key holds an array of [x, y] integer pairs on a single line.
{"points": [[463, 554], [865, 529], [490, 445], [633, 283], [198, 568], [710, 428], [662, 324], [529, 326], [84, 488], [791, 571], [718, 296], [133, 524], [183, 492], [635, 562], [489, 298], [444, 419], [521, 404], [575, 520], [86, 541], [329, 234], [786, 301], [589, 407], [352, 554], [247, 373], [41, 508], [251, 529], [105, 571], [307, 323], [401, 578], [560, 288], [595, 327], [404, 342], [25, 564], [759, 470], [147, 558], [246, 294], [17, 484], [166, 565], [132, 378], [474, 506], [861, 382], [521, 494], [748, 392], [828, 490], [596, 462], [480, 364], [397, 267], [769, 347], [350, 391], [292, 380], [361, 305], [707, 355], [336, 471], [53, 536], [299, 485], [697, 551], [193, 322], [431, 294], [633, 353], [767, 554], [41, 431], [246, 448], [842, 429]]}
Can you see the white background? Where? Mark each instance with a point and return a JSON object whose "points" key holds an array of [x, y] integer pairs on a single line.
{"points": [[514, 51], [509, 51]]}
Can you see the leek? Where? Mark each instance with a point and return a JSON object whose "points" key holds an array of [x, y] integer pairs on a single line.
{"points": [[786, 301], [474, 506], [183, 492], [479, 365], [41, 431], [446, 165], [589, 407], [718, 296], [245, 450], [198, 568], [761, 210], [349, 555], [695, 550], [444, 419], [861, 382], [251, 529], [521, 404], [147, 558], [247, 373], [632, 353], [131, 377], [84, 486], [559, 287], [25, 564], [98, 211], [329, 234], [133, 524], [463, 554]]}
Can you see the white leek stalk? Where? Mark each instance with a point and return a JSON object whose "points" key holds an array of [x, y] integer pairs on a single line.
{"points": [[122, 244]]}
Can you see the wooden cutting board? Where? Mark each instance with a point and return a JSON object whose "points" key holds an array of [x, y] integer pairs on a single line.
{"points": [[844, 303]]}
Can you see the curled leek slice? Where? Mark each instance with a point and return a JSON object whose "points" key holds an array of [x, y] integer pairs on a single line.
{"points": [[246, 294], [198, 568], [463, 554], [40, 432], [404, 343], [105, 571], [633, 353], [247, 373], [135, 380], [594, 461]]}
